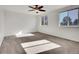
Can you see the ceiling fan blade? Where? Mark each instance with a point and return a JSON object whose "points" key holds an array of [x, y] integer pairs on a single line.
{"points": [[31, 10], [31, 7], [42, 10], [40, 7]]}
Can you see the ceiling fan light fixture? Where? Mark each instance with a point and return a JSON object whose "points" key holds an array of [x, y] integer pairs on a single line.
{"points": [[36, 11]]}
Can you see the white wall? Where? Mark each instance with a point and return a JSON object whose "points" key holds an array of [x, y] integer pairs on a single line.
{"points": [[12, 22], [54, 29], [1, 26], [15, 22]]}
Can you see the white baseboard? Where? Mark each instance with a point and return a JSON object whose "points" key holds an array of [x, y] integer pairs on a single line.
{"points": [[1, 40], [60, 36]]}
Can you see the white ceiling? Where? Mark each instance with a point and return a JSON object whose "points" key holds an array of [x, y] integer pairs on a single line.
{"points": [[25, 8]]}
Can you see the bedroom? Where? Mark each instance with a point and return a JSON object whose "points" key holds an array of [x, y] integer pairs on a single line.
{"points": [[19, 26]]}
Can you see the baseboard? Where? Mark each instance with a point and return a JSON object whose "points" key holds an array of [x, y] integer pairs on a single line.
{"points": [[13, 34], [60, 37], [1, 41]]}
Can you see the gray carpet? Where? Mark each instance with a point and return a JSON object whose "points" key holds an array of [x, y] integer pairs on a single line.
{"points": [[11, 44]]}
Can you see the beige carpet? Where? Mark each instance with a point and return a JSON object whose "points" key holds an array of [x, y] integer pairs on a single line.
{"points": [[39, 46]]}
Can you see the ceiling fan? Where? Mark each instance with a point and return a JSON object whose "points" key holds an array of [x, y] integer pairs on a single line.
{"points": [[37, 8]]}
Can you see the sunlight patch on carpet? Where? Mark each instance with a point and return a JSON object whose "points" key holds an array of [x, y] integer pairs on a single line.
{"points": [[39, 46], [21, 34]]}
